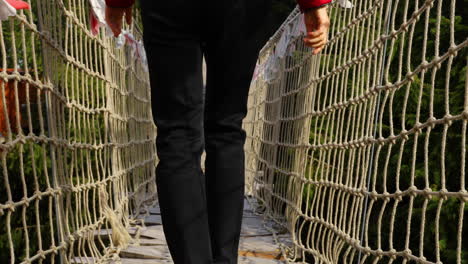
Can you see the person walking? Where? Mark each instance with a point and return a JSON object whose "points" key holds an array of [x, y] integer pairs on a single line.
{"points": [[202, 212]]}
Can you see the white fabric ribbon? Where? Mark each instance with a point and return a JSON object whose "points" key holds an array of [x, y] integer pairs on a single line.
{"points": [[120, 41], [98, 17], [345, 4], [285, 46], [8, 8], [271, 69], [138, 49]]}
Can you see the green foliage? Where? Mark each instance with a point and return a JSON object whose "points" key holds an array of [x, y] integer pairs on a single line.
{"points": [[419, 90], [30, 162], [13, 35], [28, 166]]}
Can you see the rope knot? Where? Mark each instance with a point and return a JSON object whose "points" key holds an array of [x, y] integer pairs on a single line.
{"points": [[404, 134], [398, 196], [413, 191], [425, 64], [63, 245], [25, 201], [368, 250], [50, 191], [427, 193], [345, 146], [386, 196], [443, 194], [22, 139], [429, 3], [407, 251], [448, 119], [54, 249], [17, 77], [465, 114], [382, 39], [463, 195], [431, 121], [418, 127], [388, 86], [10, 206], [347, 237], [453, 50], [381, 141], [410, 76], [41, 254], [59, 191], [71, 238]]}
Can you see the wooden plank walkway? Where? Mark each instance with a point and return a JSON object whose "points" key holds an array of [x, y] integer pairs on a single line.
{"points": [[257, 245]]}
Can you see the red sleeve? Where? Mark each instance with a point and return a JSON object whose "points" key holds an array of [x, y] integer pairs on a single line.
{"points": [[120, 3], [306, 4]]}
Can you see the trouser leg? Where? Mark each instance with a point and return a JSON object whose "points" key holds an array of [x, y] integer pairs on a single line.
{"points": [[172, 35], [224, 168], [231, 57], [178, 111], [177, 102]]}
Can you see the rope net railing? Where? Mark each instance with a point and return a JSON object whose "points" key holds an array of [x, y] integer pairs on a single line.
{"points": [[360, 152], [77, 148]]}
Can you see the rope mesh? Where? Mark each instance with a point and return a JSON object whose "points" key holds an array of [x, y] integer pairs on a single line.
{"points": [[360, 152], [77, 149]]}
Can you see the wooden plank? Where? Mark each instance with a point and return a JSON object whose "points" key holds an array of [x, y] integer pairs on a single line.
{"points": [[251, 215], [143, 261], [148, 252], [258, 244], [153, 220], [247, 206], [274, 255], [150, 242], [155, 210], [257, 260], [82, 260], [78, 260], [286, 240], [154, 232], [105, 233], [253, 227]]}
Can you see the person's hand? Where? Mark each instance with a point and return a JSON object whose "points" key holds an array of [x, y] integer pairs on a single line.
{"points": [[317, 25], [114, 17]]}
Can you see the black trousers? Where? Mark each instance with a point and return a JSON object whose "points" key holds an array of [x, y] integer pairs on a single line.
{"points": [[201, 213]]}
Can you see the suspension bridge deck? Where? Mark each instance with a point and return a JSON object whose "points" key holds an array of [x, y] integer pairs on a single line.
{"points": [[257, 244]]}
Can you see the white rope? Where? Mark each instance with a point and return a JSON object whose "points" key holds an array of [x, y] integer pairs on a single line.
{"points": [[77, 142], [349, 150]]}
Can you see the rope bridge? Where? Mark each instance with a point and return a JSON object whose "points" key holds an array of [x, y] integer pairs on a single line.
{"points": [[77, 148], [360, 153]]}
